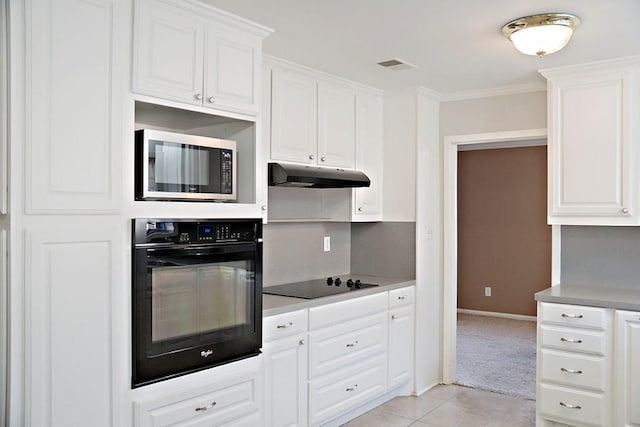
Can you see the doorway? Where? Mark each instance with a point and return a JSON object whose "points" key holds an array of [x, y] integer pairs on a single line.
{"points": [[450, 257]]}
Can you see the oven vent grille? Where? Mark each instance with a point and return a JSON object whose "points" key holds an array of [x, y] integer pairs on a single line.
{"points": [[397, 64]]}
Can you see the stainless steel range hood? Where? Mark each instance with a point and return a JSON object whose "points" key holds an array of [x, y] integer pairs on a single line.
{"points": [[288, 175]]}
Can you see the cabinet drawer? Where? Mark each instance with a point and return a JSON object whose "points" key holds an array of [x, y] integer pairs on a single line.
{"points": [[333, 395], [570, 405], [573, 339], [340, 346], [339, 312], [401, 297], [573, 369], [284, 325], [573, 315], [210, 408]]}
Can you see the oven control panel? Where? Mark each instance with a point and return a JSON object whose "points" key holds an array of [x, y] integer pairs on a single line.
{"points": [[183, 231]]}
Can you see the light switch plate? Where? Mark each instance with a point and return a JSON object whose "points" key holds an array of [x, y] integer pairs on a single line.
{"points": [[327, 243]]}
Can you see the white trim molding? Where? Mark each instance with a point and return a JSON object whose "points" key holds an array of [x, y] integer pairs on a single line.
{"points": [[494, 91], [452, 145], [496, 314]]}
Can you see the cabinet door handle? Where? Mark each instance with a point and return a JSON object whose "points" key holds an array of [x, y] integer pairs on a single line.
{"points": [[571, 340], [310, 156], [285, 325], [355, 386], [572, 316], [571, 371], [402, 297], [353, 344], [360, 209], [205, 408], [394, 317], [198, 96], [322, 159], [625, 210], [566, 405], [211, 100], [301, 342]]}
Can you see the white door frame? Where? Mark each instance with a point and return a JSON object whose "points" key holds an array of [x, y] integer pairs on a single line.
{"points": [[450, 245]]}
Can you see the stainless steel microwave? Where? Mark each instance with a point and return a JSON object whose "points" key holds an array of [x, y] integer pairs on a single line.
{"points": [[174, 166]]}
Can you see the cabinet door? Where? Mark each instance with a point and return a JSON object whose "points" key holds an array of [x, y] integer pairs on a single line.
{"points": [[168, 52], [286, 381], [336, 125], [74, 100], [591, 150], [233, 67], [627, 364], [400, 346], [367, 201], [294, 123]]}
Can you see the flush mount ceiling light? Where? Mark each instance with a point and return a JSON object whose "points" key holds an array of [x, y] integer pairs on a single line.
{"points": [[541, 34]]}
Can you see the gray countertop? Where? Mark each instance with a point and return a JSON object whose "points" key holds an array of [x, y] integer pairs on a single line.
{"points": [[274, 304], [621, 299]]}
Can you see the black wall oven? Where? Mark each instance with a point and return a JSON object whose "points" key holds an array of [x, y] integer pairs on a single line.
{"points": [[197, 295]]}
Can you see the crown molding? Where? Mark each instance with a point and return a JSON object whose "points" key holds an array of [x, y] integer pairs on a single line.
{"points": [[606, 65]]}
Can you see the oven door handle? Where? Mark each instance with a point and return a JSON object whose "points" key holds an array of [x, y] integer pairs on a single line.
{"points": [[191, 250]]}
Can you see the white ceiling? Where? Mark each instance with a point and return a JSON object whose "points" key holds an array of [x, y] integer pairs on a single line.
{"points": [[457, 44]]}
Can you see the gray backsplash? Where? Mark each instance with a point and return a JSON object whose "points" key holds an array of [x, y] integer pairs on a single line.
{"points": [[601, 256], [384, 249], [294, 251]]}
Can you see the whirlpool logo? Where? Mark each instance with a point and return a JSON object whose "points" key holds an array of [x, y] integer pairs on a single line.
{"points": [[206, 353]]}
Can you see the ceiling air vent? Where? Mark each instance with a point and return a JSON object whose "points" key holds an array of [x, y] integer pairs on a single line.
{"points": [[397, 64]]}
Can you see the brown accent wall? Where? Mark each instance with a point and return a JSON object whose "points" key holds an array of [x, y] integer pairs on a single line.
{"points": [[503, 237]]}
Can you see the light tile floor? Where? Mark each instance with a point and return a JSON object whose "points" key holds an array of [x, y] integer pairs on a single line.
{"points": [[451, 406]]}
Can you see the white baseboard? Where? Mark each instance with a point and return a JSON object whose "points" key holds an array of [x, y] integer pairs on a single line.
{"points": [[496, 314]]}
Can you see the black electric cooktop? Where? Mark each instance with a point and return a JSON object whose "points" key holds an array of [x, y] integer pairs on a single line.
{"points": [[317, 288]]}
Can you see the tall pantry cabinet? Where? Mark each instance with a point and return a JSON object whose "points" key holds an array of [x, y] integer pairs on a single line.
{"points": [[68, 67]]}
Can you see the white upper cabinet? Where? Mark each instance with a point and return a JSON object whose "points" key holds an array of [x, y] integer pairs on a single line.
{"points": [[294, 117], [190, 53], [313, 121], [593, 119], [336, 125], [367, 201]]}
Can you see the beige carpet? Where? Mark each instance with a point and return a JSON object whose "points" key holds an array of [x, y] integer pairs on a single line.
{"points": [[497, 354]]}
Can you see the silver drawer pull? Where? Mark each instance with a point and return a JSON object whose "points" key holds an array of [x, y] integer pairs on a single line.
{"points": [[353, 344], [572, 316], [566, 405], [355, 386], [286, 325], [205, 408], [394, 317], [571, 340], [571, 371], [402, 297]]}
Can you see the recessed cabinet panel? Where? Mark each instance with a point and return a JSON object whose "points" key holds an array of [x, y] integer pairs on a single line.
{"points": [[336, 125], [75, 60], [599, 147], [627, 368], [169, 52], [400, 346], [294, 123], [231, 71], [68, 293]]}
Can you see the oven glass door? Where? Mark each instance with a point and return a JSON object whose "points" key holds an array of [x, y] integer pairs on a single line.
{"points": [[185, 168], [200, 296]]}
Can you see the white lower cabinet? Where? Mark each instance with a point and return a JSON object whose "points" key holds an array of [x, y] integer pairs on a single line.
{"points": [[285, 353], [346, 358], [230, 395], [588, 366], [627, 364], [401, 329]]}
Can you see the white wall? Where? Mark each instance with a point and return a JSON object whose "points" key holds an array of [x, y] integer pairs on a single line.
{"points": [[399, 156], [494, 114]]}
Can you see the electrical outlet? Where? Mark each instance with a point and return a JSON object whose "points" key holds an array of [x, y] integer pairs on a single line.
{"points": [[327, 243], [487, 291]]}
